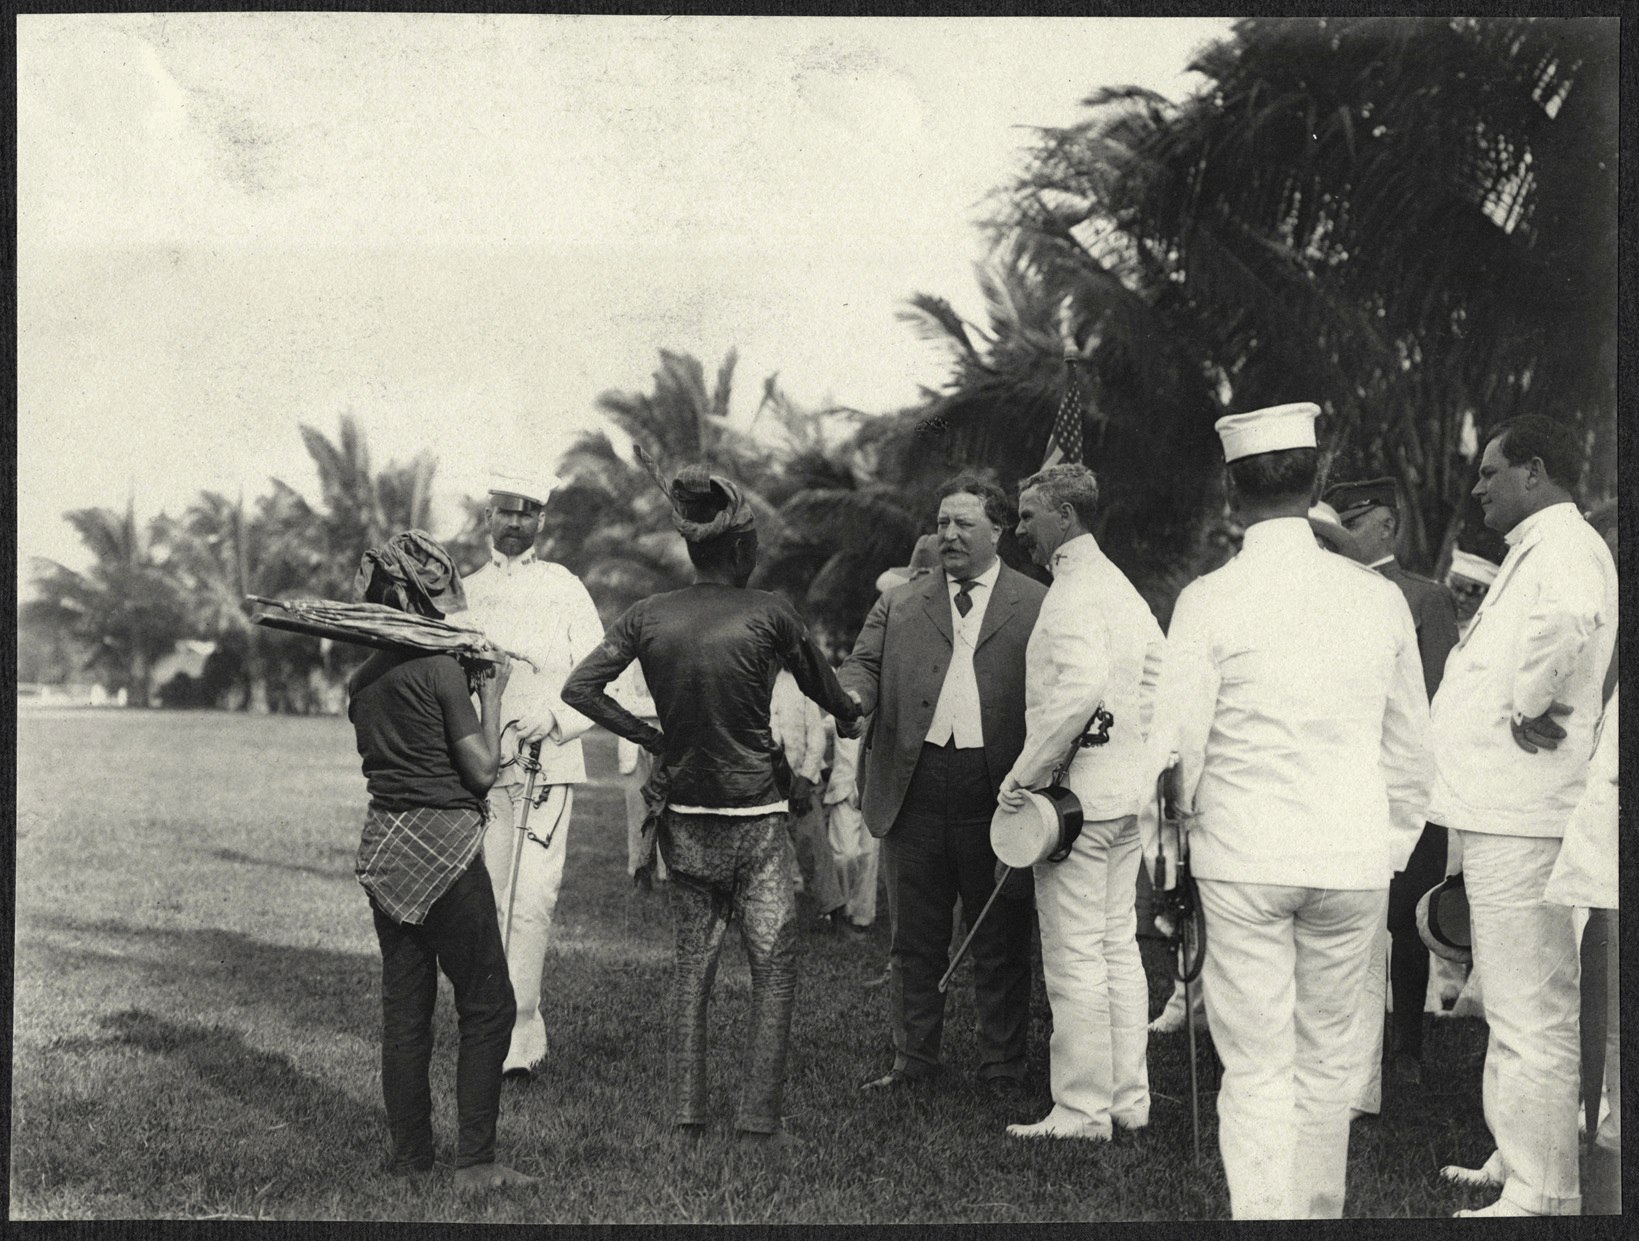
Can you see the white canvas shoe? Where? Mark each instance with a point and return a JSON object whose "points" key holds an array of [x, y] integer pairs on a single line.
{"points": [[1489, 1175], [1053, 1126]]}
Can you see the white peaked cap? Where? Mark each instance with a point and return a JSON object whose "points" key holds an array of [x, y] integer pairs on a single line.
{"points": [[1268, 430], [1474, 568], [516, 480]]}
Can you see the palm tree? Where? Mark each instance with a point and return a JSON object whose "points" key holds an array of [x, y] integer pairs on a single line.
{"points": [[125, 608], [221, 551], [1411, 220], [359, 508], [1147, 418], [610, 524]]}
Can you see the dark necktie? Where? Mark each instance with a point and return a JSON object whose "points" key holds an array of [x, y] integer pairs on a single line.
{"points": [[964, 596]]}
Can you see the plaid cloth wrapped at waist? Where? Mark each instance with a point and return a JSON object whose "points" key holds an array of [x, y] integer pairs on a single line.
{"points": [[409, 858]]}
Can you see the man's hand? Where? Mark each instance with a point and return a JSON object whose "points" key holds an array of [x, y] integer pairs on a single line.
{"points": [[492, 683], [1011, 795], [802, 795], [1540, 732], [533, 726], [850, 730]]}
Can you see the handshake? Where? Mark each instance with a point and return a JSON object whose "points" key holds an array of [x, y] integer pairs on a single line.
{"points": [[852, 727]]}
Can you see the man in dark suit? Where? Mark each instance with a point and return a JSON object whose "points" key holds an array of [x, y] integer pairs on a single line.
{"points": [[1370, 511], [939, 665]]}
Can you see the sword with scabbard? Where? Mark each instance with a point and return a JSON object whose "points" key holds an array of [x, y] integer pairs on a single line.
{"points": [[1181, 918], [530, 758]]}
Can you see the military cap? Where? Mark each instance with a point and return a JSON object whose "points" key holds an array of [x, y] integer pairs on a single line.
{"points": [[1353, 499], [526, 484]]}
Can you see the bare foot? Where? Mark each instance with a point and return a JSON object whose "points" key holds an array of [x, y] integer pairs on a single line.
{"points": [[481, 1177]]}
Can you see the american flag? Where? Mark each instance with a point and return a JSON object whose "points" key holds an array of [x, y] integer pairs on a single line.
{"points": [[1064, 444]]}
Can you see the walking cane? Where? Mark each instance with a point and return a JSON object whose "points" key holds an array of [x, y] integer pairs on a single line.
{"points": [[1182, 908], [972, 930], [531, 760]]}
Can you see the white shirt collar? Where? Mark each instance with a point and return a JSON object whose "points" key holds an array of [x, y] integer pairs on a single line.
{"points": [[1279, 534], [986, 579], [506, 563], [1562, 511], [1378, 564], [1082, 549]]}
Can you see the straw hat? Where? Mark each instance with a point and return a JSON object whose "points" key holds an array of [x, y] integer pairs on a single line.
{"points": [[1044, 829], [1442, 920]]}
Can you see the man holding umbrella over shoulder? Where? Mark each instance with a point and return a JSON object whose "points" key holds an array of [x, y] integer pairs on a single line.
{"points": [[429, 760], [1095, 644], [541, 611], [710, 653]]}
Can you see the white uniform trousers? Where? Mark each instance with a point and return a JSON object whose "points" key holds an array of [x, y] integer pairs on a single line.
{"points": [[859, 881], [532, 901], [1285, 970], [1086, 906], [1368, 1026], [1526, 949]]}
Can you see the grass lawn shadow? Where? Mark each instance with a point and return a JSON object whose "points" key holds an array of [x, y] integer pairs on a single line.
{"points": [[316, 988]]}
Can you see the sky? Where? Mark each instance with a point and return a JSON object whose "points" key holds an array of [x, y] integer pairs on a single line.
{"points": [[463, 228]]}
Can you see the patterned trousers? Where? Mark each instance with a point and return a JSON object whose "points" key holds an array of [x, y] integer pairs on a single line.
{"points": [[724, 865]]}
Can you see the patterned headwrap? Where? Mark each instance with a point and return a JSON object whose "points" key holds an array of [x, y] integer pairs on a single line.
{"points": [[417, 576], [704, 505]]}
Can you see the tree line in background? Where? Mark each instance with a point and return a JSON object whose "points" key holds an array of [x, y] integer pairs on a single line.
{"points": [[1409, 221]]}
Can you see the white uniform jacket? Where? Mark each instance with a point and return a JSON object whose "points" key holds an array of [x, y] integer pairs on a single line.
{"points": [[1543, 634], [1293, 694], [1586, 871], [541, 611], [1095, 641]]}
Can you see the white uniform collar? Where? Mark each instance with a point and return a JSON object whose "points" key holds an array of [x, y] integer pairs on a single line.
{"points": [[1279, 534], [1082, 549], [1562, 511], [506, 564]]}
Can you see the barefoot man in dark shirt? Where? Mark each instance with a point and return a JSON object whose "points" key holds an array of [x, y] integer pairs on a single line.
{"points": [[429, 760], [710, 653]]}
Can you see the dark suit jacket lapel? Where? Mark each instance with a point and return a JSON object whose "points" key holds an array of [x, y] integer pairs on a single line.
{"points": [[1000, 608], [936, 602]]}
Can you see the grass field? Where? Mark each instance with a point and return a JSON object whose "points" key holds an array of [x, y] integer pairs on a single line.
{"points": [[197, 1008]]}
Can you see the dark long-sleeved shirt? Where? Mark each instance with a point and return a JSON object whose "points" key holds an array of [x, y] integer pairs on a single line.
{"points": [[710, 654]]}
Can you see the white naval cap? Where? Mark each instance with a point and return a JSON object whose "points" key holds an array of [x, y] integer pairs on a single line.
{"points": [[1474, 568], [1268, 430], [516, 480]]}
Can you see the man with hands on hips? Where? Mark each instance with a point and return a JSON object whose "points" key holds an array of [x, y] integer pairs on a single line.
{"points": [[1513, 729], [1095, 643]]}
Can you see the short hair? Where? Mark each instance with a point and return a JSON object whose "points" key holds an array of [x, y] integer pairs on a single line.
{"points": [[1532, 435], [1070, 484], [1282, 475], [718, 552], [997, 506]]}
